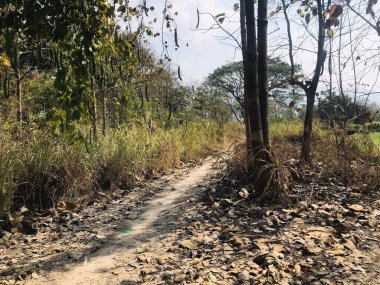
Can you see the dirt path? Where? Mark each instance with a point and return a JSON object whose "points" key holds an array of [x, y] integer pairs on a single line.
{"points": [[100, 268], [192, 227]]}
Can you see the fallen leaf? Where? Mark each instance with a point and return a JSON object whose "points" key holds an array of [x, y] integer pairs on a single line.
{"points": [[236, 241], [54, 248], [35, 275], [297, 269], [312, 250], [356, 208], [140, 250], [180, 278], [244, 193], [336, 251], [188, 244], [339, 261], [212, 278]]}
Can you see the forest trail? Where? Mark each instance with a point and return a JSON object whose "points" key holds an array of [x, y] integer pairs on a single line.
{"points": [[194, 226], [101, 267]]}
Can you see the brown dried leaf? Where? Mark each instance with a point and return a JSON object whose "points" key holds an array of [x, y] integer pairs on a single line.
{"points": [[336, 10], [356, 208], [188, 244], [312, 250], [297, 269]]}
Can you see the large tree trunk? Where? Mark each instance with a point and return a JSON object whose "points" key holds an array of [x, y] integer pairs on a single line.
{"points": [[312, 88], [262, 32], [243, 31], [253, 103]]}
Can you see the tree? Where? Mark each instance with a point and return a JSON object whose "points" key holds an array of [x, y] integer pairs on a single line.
{"points": [[344, 109], [262, 69], [230, 79], [251, 82], [369, 11], [310, 85]]}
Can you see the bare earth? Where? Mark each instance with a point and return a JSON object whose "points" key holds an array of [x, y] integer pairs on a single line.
{"points": [[194, 227], [100, 268]]}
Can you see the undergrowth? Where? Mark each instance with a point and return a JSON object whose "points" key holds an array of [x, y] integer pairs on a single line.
{"points": [[40, 171], [337, 157]]}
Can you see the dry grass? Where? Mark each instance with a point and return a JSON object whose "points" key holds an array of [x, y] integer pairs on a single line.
{"points": [[345, 159], [39, 172]]}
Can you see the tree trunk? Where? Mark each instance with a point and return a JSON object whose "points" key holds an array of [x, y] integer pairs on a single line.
{"points": [[312, 88], [243, 31], [16, 68], [104, 118], [354, 71], [93, 109], [6, 84], [308, 127], [94, 116], [262, 33], [253, 103], [19, 95], [104, 102]]}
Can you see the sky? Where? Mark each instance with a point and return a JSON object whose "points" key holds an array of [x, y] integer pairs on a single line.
{"points": [[205, 51]]}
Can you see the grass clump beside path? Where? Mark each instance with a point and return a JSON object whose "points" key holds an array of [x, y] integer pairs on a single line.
{"points": [[37, 173], [353, 160], [375, 138]]}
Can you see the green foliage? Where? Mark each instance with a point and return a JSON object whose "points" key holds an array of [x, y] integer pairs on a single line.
{"points": [[74, 71], [229, 80], [344, 109]]}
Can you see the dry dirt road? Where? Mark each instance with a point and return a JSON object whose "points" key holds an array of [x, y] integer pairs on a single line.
{"points": [[101, 267]]}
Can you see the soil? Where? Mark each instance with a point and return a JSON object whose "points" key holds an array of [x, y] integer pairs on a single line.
{"points": [[196, 226]]}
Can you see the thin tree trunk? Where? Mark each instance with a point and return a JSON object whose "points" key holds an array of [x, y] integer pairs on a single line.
{"points": [[308, 127], [354, 70], [16, 68], [104, 102], [253, 103], [93, 108], [343, 98], [104, 115], [19, 95], [6, 84], [312, 89], [262, 34], [243, 31], [291, 58]]}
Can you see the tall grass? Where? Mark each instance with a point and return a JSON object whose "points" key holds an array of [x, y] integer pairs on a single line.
{"points": [[352, 160], [375, 136], [39, 172]]}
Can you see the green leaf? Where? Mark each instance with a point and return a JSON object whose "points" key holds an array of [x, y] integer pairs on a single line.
{"points": [[330, 33]]}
